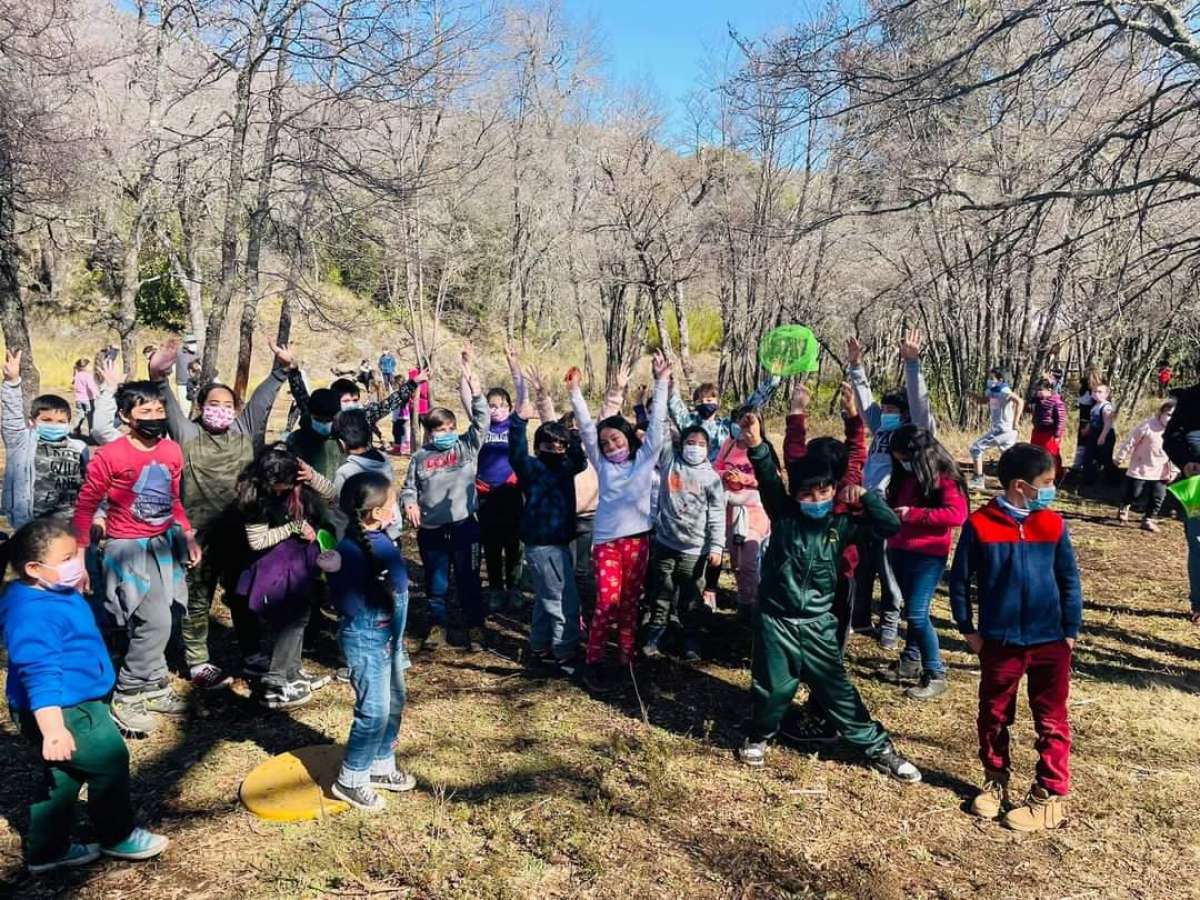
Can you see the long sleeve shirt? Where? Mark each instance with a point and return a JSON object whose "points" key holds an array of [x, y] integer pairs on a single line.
{"points": [[718, 428], [441, 483], [879, 458]]}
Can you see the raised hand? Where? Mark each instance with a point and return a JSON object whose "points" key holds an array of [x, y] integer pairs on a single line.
{"points": [[643, 392], [12, 366], [661, 366], [421, 377], [514, 360], [284, 358], [910, 346], [624, 373], [851, 494], [574, 378], [534, 376], [164, 358], [525, 410], [468, 356], [110, 373], [848, 399], [854, 351], [800, 398]]}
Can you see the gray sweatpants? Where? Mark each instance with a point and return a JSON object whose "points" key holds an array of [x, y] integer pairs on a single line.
{"points": [[555, 601]]}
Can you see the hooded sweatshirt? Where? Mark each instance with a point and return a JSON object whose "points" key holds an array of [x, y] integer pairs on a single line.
{"points": [[356, 464], [691, 506], [441, 483], [1148, 461], [879, 458]]}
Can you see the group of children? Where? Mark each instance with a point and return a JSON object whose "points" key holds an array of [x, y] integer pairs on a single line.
{"points": [[635, 517]]}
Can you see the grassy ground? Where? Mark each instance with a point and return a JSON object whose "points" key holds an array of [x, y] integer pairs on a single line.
{"points": [[529, 788]]}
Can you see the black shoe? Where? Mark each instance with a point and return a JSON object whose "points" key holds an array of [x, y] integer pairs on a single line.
{"points": [[287, 696], [596, 680], [905, 669], [808, 728], [359, 797], [930, 688], [891, 763]]}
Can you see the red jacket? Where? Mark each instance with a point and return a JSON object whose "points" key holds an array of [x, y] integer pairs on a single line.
{"points": [[926, 526]]}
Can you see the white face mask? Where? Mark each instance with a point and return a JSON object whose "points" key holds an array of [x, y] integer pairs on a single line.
{"points": [[694, 454]]}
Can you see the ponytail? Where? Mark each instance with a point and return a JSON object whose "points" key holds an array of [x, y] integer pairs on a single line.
{"points": [[362, 493]]}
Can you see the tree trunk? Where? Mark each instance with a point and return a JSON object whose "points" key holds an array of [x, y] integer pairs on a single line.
{"points": [[12, 308]]}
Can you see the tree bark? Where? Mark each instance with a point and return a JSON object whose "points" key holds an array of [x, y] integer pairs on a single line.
{"points": [[12, 307]]}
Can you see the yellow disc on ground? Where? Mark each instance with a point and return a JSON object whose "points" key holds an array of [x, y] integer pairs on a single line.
{"points": [[294, 786]]}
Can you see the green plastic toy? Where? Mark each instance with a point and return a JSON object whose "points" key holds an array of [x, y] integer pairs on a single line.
{"points": [[789, 350], [1187, 492], [325, 540]]}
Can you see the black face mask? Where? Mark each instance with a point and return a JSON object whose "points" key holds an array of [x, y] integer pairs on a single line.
{"points": [[707, 410], [150, 429], [551, 459]]}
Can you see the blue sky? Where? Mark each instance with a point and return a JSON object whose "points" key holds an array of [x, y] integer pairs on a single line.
{"points": [[667, 42]]}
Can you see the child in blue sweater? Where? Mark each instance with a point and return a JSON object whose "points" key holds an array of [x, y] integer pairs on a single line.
{"points": [[59, 682]]}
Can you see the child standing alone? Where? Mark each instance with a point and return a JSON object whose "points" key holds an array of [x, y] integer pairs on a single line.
{"points": [[1016, 553]]}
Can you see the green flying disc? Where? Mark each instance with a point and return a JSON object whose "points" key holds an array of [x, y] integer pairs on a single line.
{"points": [[325, 540], [789, 350], [1187, 492]]}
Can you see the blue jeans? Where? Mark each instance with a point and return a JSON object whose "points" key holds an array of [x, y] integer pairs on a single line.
{"points": [[441, 547], [918, 575], [1192, 530], [555, 601], [373, 644]]}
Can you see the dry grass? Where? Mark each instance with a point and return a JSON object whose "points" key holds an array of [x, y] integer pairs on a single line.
{"points": [[530, 788]]}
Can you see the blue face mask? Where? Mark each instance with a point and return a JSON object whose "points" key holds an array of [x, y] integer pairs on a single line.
{"points": [[1044, 498], [735, 431], [322, 428], [816, 509], [889, 421], [52, 432], [353, 404], [445, 440]]}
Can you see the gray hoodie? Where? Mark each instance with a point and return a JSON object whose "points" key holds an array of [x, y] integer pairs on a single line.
{"points": [[441, 483], [356, 464], [691, 506]]}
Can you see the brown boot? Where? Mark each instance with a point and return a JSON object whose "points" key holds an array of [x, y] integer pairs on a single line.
{"points": [[1040, 811], [993, 799]]}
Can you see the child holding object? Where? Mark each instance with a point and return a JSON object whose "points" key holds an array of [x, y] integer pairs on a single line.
{"points": [[1004, 411], [1150, 469]]}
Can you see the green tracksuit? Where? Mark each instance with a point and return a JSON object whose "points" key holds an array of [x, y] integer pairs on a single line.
{"points": [[795, 629]]}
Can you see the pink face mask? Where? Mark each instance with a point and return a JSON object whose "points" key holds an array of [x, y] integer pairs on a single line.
{"points": [[618, 456], [217, 418], [70, 575]]}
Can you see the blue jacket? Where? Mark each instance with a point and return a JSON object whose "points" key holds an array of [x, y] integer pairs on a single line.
{"points": [[56, 656], [349, 585], [1026, 579], [548, 517]]}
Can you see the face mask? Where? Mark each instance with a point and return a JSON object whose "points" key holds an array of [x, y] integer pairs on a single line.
{"points": [[70, 575], [498, 415], [816, 509], [1045, 496], [445, 440], [707, 410], [52, 432], [889, 421], [617, 456], [694, 454], [322, 428], [550, 458], [735, 431], [351, 404], [150, 429], [905, 464], [217, 418], [992, 384]]}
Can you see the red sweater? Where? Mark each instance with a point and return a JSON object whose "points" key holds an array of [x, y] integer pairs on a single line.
{"points": [[142, 489], [926, 529]]}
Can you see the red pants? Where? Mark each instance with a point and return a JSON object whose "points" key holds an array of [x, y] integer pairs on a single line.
{"points": [[620, 568], [1050, 441], [1048, 667]]}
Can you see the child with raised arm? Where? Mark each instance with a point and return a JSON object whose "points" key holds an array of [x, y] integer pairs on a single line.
{"points": [[1015, 555], [59, 680], [1150, 469], [621, 542], [794, 626], [1004, 411], [440, 500]]}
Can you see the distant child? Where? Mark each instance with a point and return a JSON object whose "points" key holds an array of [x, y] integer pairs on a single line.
{"points": [[1004, 411], [84, 385], [150, 544], [313, 439], [1150, 469], [440, 500], [44, 467], [547, 482], [1101, 436], [747, 526], [689, 536], [59, 679], [929, 494], [370, 588], [1016, 554], [794, 627], [1049, 422], [621, 542], [282, 502]]}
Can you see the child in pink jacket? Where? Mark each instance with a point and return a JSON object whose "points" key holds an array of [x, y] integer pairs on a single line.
{"points": [[1150, 471]]}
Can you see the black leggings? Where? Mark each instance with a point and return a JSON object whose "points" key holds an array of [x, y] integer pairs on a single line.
{"points": [[500, 533], [1155, 491]]}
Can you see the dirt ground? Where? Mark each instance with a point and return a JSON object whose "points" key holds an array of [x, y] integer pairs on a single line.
{"points": [[529, 788]]}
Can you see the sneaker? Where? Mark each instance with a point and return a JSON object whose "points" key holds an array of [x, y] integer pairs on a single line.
{"points": [[752, 753], [889, 641], [905, 669], [977, 483], [76, 855], [476, 640], [396, 781], [132, 717], [1150, 525], [287, 696], [359, 797], [567, 668], [208, 677], [168, 703], [342, 674], [256, 665], [141, 844], [1123, 514], [891, 763], [930, 687], [316, 682], [993, 800], [806, 727], [596, 681], [436, 638], [1041, 810]]}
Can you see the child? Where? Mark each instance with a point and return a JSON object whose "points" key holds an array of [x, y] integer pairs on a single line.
{"points": [[313, 439], [149, 539], [439, 499], [893, 409], [59, 675], [1017, 553], [84, 385], [747, 527], [1049, 422], [371, 590], [44, 468], [547, 483], [1150, 470], [620, 548], [281, 500], [1101, 436], [689, 534], [1182, 443], [929, 495], [1004, 411], [795, 628]]}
